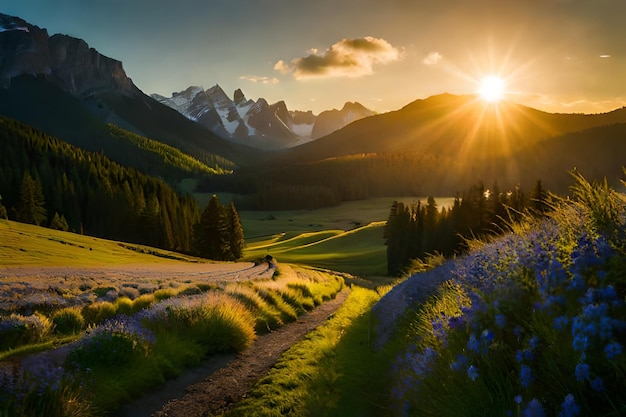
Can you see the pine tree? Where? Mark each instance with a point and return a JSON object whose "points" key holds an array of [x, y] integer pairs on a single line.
{"points": [[59, 223], [236, 235], [210, 234], [3, 211], [539, 199], [31, 205], [396, 235]]}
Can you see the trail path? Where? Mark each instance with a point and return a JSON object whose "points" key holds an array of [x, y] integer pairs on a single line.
{"points": [[215, 386], [228, 378]]}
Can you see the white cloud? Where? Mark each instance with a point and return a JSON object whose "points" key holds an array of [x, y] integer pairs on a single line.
{"points": [[258, 79], [432, 58], [346, 58]]}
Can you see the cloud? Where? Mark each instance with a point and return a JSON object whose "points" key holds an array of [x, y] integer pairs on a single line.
{"points": [[432, 58], [258, 79], [346, 58]]}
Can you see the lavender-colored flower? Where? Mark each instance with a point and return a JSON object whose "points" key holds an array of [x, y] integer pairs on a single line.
{"points": [[517, 399], [459, 364], [569, 408], [607, 293], [456, 322], [560, 323], [582, 372], [526, 376], [534, 409], [612, 350], [473, 344], [472, 372], [597, 384], [500, 320]]}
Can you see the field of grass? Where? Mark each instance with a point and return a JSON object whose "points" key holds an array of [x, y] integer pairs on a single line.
{"points": [[346, 238], [324, 374], [29, 245], [123, 334], [360, 251]]}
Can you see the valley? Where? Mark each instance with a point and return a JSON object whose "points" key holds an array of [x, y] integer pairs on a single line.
{"points": [[461, 255]]}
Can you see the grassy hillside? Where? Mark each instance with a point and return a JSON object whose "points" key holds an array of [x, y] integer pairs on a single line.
{"points": [[43, 105], [28, 245], [360, 251]]}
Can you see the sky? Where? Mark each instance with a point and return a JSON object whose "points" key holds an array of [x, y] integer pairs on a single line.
{"points": [[564, 56]]}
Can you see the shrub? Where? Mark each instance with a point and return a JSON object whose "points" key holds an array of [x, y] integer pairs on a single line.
{"points": [[124, 305], [103, 291], [19, 330], [218, 322], [68, 320], [163, 294], [267, 316], [115, 343], [98, 312], [143, 301], [42, 389], [129, 292], [287, 312]]}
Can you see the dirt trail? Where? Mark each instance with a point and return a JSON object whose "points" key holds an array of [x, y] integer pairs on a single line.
{"points": [[221, 382]]}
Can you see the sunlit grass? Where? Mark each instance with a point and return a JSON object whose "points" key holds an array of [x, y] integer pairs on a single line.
{"points": [[324, 374], [530, 323], [29, 245], [360, 251], [131, 346]]}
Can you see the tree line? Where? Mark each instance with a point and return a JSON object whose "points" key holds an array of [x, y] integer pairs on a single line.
{"points": [[48, 182], [356, 177], [417, 230]]}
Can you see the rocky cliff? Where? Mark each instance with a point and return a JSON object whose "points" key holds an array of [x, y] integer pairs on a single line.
{"points": [[67, 61]]}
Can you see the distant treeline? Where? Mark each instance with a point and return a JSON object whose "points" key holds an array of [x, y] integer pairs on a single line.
{"points": [[48, 182], [357, 177], [416, 231]]}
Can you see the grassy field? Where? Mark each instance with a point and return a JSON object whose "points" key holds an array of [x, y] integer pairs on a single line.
{"points": [[346, 238], [29, 245]]}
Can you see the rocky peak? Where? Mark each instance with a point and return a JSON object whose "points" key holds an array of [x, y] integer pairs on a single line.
{"points": [[238, 97], [68, 61]]}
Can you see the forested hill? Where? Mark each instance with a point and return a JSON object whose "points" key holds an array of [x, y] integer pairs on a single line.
{"points": [[85, 122], [49, 182]]}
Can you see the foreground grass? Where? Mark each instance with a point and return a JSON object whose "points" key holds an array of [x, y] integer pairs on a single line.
{"points": [[324, 374], [531, 324], [129, 354]]}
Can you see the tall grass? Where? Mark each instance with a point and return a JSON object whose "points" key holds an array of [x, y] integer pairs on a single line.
{"points": [[127, 354], [311, 378], [531, 324]]}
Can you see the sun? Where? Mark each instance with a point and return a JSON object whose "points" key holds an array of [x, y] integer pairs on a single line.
{"points": [[491, 88]]}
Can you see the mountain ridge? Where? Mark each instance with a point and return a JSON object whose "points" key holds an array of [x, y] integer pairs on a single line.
{"points": [[258, 123], [62, 86]]}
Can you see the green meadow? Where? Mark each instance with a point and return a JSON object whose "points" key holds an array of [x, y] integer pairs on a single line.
{"points": [[346, 238], [29, 245]]}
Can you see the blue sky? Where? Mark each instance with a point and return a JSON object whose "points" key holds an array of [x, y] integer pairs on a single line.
{"points": [[555, 55]]}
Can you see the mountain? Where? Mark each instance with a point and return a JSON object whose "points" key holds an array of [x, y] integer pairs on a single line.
{"points": [[65, 88], [456, 126], [66, 61], [258, 123], [440, 146], [330, 121]]}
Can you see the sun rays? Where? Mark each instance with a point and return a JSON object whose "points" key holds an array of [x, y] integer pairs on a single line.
{"points": [[492, 88]]}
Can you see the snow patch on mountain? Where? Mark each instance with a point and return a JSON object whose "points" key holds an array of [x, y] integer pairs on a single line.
{"points": [[255, 123]]}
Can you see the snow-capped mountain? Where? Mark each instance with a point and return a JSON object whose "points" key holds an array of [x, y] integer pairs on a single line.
{"points": [[257, 123]]}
